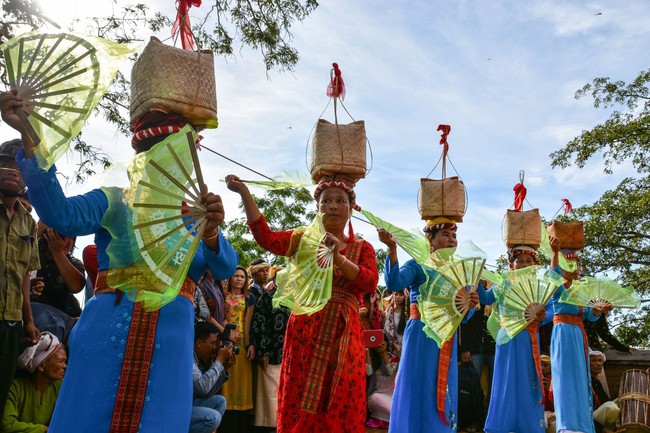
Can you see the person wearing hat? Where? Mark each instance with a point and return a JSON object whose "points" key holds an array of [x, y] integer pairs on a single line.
{"points": [[424, 400], [322, 380], [32, 398], [517, 400], [140, 361], [19, 256], [569, 355]]}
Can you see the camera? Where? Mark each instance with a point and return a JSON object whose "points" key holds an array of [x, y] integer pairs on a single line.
{"points": [[225, 335]]}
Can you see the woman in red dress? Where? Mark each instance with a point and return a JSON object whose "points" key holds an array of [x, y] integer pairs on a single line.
{"points": [[322, 383]]}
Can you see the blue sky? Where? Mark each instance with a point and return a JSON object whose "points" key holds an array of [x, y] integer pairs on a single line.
{"points": [[502, 73]]}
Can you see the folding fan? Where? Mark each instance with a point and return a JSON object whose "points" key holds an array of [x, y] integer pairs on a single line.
{"points": [[305, 285], [597, 292], [283, 181], [168, 219], [442, 306], [415, 244], [61, 78], [521, 294]]}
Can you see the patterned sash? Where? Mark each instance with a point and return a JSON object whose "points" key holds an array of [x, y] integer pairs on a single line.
{"points": [[533, 329], [131, 391], [340, 304]]}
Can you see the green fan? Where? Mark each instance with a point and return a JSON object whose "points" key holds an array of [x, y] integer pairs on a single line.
{"points": [[598, 292], [61, 79], [305, 285], [520, 296], [415, 244], [168, 219], [442, 305], [282, 181]]}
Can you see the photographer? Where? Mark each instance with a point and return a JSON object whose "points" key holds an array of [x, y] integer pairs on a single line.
{"points": [[208, 377]]}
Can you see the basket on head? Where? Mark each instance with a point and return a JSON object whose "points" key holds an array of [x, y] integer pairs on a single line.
{"points": [[523, 228], [338, 149], [571, 235], [444, 197], [174, 80]]}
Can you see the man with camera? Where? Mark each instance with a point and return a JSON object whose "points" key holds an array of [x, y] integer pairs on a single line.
{"points": [[208, 375]]}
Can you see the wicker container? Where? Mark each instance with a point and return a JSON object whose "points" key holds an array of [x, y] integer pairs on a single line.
{"points": [[444, 197], [570, 235], [173, 80], [338, 149], [523, 228]]}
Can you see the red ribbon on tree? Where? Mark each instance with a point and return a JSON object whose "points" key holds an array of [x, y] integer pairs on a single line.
{"points": [[520, 196], [336, 87], [182, 24], [567, 206]]}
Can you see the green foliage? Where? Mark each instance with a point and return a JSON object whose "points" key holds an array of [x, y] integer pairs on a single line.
{"points": [[625, 135], [617, 226], [263, 25]]}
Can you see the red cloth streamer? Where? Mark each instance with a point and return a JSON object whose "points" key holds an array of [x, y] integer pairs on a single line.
{"points": [[446, 129], [336, 88], [567, 206], [520, 196], [182, 23]]}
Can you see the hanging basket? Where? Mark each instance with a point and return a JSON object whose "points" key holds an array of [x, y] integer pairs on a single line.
{"points": [[523, 228], [173, 80], [444, 197], [571, 235], [338, 150]]}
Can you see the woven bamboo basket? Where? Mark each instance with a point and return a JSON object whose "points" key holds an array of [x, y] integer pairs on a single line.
{"points": [[338, 149], [522, 228], [173, 80], [445, 197], [570, 235]]}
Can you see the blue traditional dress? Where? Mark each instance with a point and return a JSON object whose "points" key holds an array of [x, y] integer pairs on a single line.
{"points": [[570, 367], [92, 397], [414, 407], [516, 400]]}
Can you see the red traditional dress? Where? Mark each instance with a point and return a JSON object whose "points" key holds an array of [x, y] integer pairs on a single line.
{"points": [[322, 383]]}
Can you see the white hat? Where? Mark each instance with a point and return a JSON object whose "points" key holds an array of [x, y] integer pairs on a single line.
{"points": [[35, 355]]}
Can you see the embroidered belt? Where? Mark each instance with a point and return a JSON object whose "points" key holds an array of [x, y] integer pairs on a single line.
{"points": [[533, 329], [342, 304], [132, 388], [415, 312], [187, 289]]}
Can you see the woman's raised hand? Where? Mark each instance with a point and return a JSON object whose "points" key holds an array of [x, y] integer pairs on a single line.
{"points": [[214, 213], [234, 184], [386, 238], [9, 102]]}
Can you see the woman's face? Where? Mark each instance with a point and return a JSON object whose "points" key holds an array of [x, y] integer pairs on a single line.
{"points": [[399, 298], [444, 238], [54, 367], [238, 280], [522, 261], [334, 203]]}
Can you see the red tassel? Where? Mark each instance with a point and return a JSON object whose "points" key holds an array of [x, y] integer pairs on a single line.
{"points": [[182, 24], [567, 206], [520, 196], [350, 238], [446, 129], [336, 88]]}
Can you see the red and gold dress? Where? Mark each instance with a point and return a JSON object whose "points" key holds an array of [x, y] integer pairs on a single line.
{"points": [[322, 383]]}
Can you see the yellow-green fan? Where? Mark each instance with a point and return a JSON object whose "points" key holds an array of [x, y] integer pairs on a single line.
{"points": [[521, 294], [442, 306], [168, 220], [61, 78], [598, 292], [305, 285]]}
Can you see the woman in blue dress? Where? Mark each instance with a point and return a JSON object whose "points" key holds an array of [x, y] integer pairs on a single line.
{"points": [[516, 399], [129, 370], [418, 406], [569, 356]]}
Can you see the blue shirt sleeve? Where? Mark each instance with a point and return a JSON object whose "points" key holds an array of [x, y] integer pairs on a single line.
{"points": [[398, 278], [75, 216], [485, 297]]}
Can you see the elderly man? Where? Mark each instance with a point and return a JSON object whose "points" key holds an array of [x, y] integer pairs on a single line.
{"points": [[208, 377], [31, 399], [606, 412], [18, 256]]}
